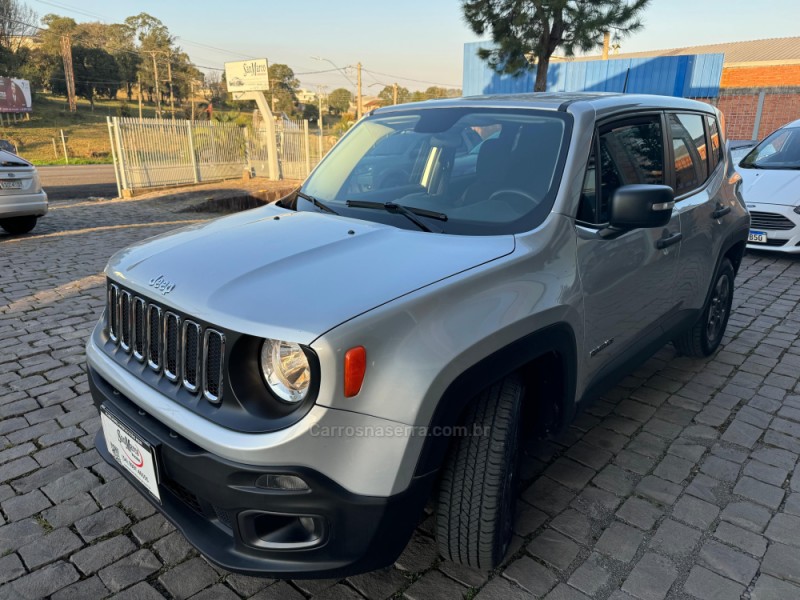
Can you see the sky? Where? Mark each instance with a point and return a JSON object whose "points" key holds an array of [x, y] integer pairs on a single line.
{"points": [[416, 43]]}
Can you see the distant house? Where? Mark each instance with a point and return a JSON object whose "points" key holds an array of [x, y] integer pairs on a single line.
{"points": [[306, 96], [369, 103]]}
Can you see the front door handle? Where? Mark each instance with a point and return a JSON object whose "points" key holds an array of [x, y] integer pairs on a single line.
{"points": [[668, 240], [720, 211]]}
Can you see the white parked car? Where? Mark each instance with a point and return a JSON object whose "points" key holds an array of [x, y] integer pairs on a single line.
{"points": [[22, 199], [771, 189]]}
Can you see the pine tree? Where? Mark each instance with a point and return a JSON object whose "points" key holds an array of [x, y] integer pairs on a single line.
{"points": [[536, 28]]}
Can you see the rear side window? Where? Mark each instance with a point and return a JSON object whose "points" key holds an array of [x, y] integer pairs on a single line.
{"points": [[628, 152], [690, 151], [716, 147]]}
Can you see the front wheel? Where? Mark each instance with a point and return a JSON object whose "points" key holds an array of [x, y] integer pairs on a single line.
{"points": [[475, 508], [18, 225], [705, 335]]}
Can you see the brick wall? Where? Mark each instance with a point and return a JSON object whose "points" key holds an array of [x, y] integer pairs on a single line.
{"points": [[766, 76], [740, 107]]}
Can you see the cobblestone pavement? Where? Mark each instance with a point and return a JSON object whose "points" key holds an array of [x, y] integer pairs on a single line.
{"points": [[682, 482]]}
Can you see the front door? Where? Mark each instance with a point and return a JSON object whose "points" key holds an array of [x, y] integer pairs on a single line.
{"points": [[627, 278]]}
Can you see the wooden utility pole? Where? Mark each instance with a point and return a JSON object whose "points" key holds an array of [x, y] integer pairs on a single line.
{"points": [[394, 93], [359, 105], [69, 75], [321, 122], [155, 79], [171, 97], [139, 87], [606, 44]]}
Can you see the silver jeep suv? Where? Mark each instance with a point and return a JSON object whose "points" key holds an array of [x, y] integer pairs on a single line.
{"points": [[291, 384]]}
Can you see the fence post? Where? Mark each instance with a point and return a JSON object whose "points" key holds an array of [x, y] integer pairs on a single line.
{"points": [[122, 163], [195, 170], [759, 110], [64, 145], [247, 161], [113, 155], [307, 145]]}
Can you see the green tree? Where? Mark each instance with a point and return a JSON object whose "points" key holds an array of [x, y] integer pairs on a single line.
{"points": [[339, 100], [96, 73], [154, 41], [536, 28], [17, 24], [283, 86], [387, 95], [310, 112]]}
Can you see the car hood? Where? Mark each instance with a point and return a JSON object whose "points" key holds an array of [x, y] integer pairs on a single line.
{"points": [[290, 275], [770, 186]]}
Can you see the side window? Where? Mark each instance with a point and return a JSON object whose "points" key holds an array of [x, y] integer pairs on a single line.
{"points": [[690, 151], [628, 152], [716, 146]]}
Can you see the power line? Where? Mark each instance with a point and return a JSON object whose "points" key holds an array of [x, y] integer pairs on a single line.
{"points": [[231, 52], [73, 9], [411, 79]]}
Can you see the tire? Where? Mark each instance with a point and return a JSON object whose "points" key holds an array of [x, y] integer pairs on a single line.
{"points": [[704, 337], [18, 225], [477, 493]]}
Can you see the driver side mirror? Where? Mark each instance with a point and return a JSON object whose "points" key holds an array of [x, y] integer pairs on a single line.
{"points": [[641, 206]]}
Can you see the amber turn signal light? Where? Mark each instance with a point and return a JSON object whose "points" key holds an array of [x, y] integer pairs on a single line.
{"points": [[355, 365]]}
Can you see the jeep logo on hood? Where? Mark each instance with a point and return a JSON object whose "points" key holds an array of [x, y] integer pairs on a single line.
{"points": [[162, 285]]}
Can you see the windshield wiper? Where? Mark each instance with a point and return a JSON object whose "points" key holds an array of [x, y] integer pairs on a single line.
{"points": [[408, 212], [317, 203]]}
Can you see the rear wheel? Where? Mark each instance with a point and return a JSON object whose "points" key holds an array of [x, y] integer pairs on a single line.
{"points": [[475, 509], [706, 334], [18, 225]]}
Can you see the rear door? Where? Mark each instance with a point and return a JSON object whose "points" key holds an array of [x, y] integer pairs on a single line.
{"points": [[627, 279], [697, 178]]}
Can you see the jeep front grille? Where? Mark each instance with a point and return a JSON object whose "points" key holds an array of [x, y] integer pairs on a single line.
{"points": [[191, 355], [181, 350], [213, 350], [139, 331], [172, 334]]}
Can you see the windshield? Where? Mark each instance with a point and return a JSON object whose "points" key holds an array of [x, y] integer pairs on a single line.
{"points": [[480, 171], [780, 150]]}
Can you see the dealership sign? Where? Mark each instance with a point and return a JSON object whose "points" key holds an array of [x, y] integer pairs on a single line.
{"points": [[247, 75], [15, 95]]}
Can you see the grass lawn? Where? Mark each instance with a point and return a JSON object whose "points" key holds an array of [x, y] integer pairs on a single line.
{"points": [[85, 131]]}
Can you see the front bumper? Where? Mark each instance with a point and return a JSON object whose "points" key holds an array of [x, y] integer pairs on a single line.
{"points": [[223, 511], [22, 205], [778, 240]]}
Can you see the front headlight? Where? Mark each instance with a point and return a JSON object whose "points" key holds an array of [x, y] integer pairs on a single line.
{"points": [[286, 370]]}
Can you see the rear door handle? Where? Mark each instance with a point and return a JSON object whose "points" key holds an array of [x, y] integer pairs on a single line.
{"points": [[668, 240], [720, 212]]}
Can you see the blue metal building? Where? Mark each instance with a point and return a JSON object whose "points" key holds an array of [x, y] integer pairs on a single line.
{"points": [[688, 76]]}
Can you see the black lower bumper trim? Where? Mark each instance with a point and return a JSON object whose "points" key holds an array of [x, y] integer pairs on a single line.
{"points": [[203, 496]]}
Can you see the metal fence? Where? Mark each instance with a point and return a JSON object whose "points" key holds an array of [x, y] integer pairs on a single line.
{"points": [[294, 152], [152, 153]]}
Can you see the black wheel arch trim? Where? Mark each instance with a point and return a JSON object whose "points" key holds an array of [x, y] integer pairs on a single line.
{"points": [[558, 338]]}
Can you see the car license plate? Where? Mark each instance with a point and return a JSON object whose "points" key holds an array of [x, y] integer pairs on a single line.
{"points": [[130, 451], [758, 237], [11, 185]]}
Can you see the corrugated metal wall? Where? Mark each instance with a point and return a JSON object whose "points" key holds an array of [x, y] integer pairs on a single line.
{"points": [[690, 76]]}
